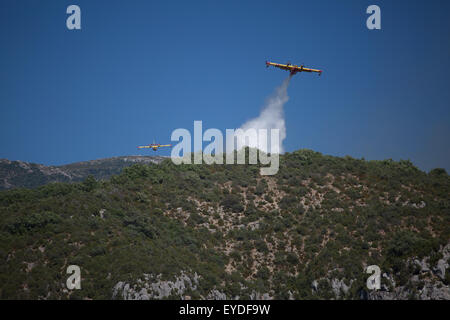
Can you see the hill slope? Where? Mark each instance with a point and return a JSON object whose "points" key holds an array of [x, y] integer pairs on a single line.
{"points": [[224, 231], [16, 174]]}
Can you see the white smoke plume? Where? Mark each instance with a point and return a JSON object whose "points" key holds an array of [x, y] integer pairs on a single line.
{"points": [[271, 117]]}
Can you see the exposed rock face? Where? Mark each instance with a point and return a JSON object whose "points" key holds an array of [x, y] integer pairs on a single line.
{"points": [[441, 268], [430, 291], [259, 296], [216, 295], [339, 287], [422, 265], [432, 279], [152, 287]]}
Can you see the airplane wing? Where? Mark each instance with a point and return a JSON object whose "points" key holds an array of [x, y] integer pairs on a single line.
{"points": [[311, 70], [165, 145], [144, 147]]}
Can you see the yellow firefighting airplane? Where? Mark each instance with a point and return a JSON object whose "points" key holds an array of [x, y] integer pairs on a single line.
{"points": [[292, 68], [154, 146]]}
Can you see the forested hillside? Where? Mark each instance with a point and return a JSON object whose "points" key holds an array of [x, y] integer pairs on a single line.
{"points": [[223, 231]]}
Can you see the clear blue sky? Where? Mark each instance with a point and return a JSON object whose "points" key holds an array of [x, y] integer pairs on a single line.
{"points": [[140, 69]]}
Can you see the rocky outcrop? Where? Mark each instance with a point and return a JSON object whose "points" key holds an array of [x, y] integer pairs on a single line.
{"points": [[152, 287], [430, 282], [339, 287], [216, 295], [260, 296], [430, 291]]}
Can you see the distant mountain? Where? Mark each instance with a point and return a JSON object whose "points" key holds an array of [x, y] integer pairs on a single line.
{"points": [[16, 174], [226, 232]]}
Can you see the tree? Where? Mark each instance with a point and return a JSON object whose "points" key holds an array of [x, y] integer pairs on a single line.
{"points": [[89, 183]]}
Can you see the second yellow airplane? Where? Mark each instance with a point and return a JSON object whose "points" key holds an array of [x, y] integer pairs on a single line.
{"points": [[293, 69], [154, 146]]}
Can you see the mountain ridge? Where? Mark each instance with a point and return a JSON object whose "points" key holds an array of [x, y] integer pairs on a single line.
{"points": [[17, 173]]}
